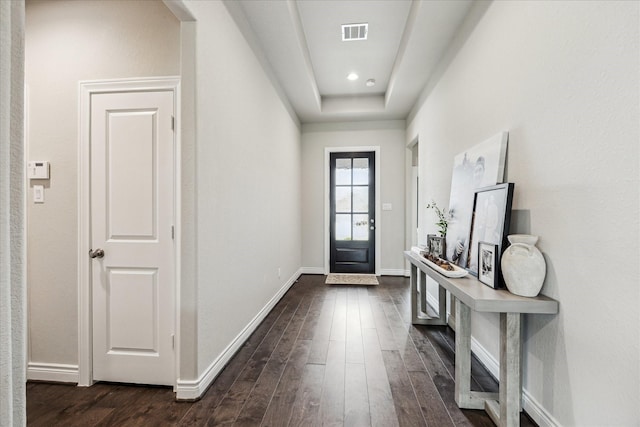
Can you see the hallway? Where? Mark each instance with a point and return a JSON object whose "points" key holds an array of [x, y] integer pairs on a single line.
{"points": [[325, 355]]}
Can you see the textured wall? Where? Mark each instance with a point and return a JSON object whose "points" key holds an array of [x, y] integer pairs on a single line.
{"points": [[66, 42], [12, 283], [389, 136], [563, 79]]}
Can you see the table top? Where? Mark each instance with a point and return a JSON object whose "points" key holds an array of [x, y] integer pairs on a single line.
{"points": [[480, 297]]}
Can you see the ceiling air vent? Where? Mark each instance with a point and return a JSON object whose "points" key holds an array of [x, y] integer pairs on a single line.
{"points": [[352, 32]]}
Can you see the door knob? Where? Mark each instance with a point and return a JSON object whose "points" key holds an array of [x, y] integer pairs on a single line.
{"points": [[98, 253]]}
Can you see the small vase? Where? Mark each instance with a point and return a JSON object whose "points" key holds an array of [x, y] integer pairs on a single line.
{"points": [[523, 266]]}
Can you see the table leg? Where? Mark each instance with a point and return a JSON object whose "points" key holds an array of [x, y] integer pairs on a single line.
{"points": [[465, 398], [463, 355], [423, 292], [442, 304], [414, 293], [510, 369], [452, 315], [506, 412], [419, 301]]}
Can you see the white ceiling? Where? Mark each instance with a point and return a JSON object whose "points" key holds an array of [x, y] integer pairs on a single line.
{"points": [[300, 42]]}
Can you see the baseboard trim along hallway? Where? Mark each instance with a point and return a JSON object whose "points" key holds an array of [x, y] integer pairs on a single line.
{"points": [[194, 389]]}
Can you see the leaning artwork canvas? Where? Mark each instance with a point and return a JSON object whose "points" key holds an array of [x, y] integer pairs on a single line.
{"points": [[480, 166]]}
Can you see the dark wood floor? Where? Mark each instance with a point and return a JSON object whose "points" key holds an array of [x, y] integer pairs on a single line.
{"points": [[325, 355]]}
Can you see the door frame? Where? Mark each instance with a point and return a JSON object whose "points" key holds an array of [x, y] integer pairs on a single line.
{"points": [[327, 204], [413, 182], [85, 309]]}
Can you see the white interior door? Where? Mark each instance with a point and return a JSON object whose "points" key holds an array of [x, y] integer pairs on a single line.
{"points": [[132, 211]]}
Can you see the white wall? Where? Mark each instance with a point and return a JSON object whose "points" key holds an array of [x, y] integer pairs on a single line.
{"points": [[563, 79], [390, 137], [66, 42], [248, 185]]}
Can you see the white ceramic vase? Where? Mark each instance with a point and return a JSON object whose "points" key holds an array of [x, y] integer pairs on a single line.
{"points": [[523, 266]]}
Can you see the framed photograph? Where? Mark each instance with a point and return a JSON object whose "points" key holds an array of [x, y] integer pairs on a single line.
{"points": [[488, 264], [436, 245], [489, 221]]}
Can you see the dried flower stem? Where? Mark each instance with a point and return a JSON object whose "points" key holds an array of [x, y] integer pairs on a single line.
{"points": [[443, 218]]}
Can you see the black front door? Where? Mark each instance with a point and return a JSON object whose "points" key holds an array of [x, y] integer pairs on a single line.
{"points": [[352, 195]]}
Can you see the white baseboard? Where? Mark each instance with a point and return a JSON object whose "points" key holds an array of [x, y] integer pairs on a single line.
{"points": [[532, 407], [312, 270], [394, 272], [383, 272], [52, 372], [490, 363], [194, 389], [537, 412]]}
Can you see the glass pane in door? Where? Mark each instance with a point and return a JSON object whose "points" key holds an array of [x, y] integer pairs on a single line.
{"points": [[343, 199], [361, 199], [343, 171], [343, 226], [360, 171], [361, 227]]}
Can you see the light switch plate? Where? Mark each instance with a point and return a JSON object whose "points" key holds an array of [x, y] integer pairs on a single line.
{"points": [[387, 207], [38, 193]]}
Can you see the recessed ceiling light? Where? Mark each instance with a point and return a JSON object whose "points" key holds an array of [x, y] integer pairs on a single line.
{"points": [[371, 82], [352, 76]]}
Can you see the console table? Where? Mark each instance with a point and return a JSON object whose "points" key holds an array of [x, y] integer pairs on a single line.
{"points": [[503, 407]]}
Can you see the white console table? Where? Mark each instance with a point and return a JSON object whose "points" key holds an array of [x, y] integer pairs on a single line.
{"points": [[503, 407]]}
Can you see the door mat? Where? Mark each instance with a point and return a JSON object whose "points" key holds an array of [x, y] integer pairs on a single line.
{"points": [[351, 279]]}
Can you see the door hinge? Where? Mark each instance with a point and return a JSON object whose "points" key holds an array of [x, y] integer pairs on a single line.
{"points": [[173, 341], [173, 123], [173, 232]]}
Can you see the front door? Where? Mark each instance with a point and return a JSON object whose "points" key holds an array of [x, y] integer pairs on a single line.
{"points": [[132, 211], [352, 212]]}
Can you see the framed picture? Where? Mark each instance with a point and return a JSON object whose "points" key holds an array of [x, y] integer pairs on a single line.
{"points": [[488, 264], [436, 245], [489, 221], [477, 167], [429, 236]]}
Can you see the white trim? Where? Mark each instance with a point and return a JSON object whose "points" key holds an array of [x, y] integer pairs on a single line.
{"points": [[193, 389], [536, 411], [177, 224], [56, 372], [25, 222], [179, 10], [394, 272], [488, 361], [85, 362], [327, 174], [86, 90], [312, 270], [531, 406]]}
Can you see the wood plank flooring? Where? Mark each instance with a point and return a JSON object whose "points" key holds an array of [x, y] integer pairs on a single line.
{"points": [[325, 355]]}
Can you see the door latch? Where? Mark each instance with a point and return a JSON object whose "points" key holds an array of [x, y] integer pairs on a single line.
{"points": [[98, 253]]}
